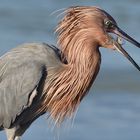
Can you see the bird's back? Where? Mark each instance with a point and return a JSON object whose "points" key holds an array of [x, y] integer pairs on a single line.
{"points": [[23, 71]]}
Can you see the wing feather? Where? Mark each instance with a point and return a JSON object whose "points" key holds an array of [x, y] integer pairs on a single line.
{"points": [[17, 82]]}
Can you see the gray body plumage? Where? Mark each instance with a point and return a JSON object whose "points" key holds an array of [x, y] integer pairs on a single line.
{"points": [[23, 70]]}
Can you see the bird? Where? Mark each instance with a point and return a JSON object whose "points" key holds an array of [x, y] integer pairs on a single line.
{"points": [[36, 78]]}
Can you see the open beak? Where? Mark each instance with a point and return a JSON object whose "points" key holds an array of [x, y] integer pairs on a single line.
{"points": [[118, 45]]}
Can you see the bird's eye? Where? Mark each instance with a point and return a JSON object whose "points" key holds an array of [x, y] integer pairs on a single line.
{"points": [[109, 24]]}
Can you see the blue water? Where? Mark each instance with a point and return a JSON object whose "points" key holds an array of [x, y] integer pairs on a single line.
{"points": [[111, 111]]}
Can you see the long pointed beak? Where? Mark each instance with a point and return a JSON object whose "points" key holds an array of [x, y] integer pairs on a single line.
{"points": [[122, 51], [118, 46], [122, 34]]}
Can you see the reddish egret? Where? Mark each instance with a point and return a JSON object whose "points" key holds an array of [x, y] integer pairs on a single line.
{"points": [[38, 78]]}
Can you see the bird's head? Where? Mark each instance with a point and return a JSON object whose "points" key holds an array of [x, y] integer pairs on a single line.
{"points": [[96, 24]]}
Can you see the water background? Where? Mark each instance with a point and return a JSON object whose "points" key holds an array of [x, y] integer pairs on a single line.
{"points": [[111, 111]]}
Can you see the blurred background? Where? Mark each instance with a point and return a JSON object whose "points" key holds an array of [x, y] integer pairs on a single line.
{"points": [[111, 111]]}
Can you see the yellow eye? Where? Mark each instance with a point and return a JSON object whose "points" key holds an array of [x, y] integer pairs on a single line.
{"points": [[109, 24]]}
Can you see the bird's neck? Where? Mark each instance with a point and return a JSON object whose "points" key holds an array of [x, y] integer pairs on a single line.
{"points": [[67, 88], [83, 58]]}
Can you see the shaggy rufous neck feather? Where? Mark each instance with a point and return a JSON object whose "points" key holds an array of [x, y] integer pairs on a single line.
{"points": [[65, 90]]}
